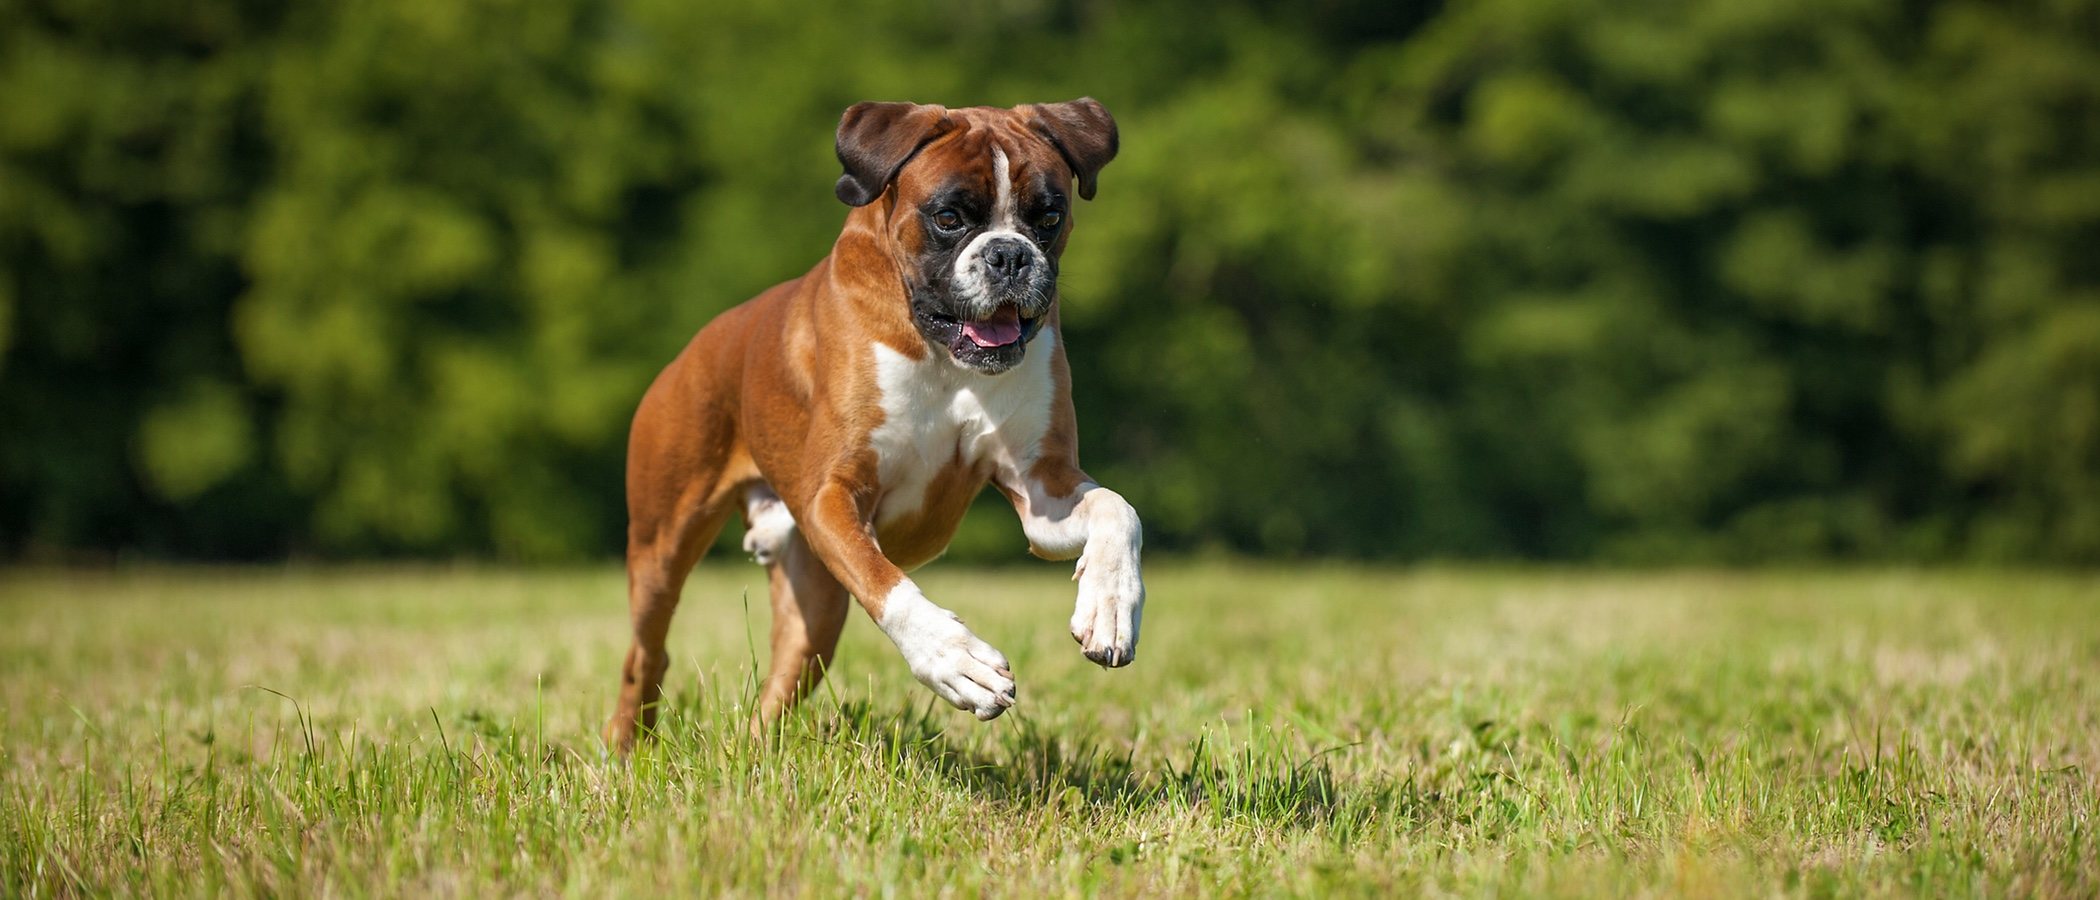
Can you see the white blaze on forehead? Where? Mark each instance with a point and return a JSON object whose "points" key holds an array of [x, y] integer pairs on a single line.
{"points": [[1002, 181]]}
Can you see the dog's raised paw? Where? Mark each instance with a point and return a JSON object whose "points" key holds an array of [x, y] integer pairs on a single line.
{"points": [[1109, 611]]}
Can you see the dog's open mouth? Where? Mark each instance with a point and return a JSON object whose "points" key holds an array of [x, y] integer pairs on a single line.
{"points": [[1005, 327], [988, 345], [1002, 328]]}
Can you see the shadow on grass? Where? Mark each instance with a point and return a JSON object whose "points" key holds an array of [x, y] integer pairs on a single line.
{"points": [[1262, 779]]}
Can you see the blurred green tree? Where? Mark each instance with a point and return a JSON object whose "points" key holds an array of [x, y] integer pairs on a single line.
{"points": [[1540, 278]]}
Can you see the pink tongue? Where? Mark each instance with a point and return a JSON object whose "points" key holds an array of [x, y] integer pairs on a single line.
{"points": [[1004, 327]]}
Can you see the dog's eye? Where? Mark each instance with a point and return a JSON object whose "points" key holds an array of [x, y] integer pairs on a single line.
{"points": [[947, 220], [1049, 220]]}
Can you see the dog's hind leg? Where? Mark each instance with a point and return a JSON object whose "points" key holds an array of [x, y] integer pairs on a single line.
{"points": [[809, 608], [681, 470], [658, 561]]}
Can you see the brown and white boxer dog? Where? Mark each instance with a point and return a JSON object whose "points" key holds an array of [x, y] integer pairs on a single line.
{"points": [[853, 413]]}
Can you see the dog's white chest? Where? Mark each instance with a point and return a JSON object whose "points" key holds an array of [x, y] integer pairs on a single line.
{"points": [[936, 415]]}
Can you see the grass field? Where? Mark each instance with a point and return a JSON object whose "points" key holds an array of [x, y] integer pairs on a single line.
{"points": [[1284, 731]]}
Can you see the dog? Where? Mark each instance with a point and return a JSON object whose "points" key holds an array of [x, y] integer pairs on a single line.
{"points": [[851, 415]]}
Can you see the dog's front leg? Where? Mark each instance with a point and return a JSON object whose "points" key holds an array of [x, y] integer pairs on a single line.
{"points": [[1097, 525], [941, 651]]}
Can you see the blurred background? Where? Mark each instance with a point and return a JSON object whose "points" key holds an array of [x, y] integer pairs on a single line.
{"points": [[1661, 281]]}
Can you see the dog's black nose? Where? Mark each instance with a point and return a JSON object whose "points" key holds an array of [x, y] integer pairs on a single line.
{"points": [[1008, 259]]}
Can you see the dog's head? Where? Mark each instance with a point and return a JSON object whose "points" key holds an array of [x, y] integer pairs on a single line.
{"points": [[977, 205]]}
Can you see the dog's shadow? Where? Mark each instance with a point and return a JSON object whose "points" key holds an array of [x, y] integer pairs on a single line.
{"points": [[1026, 766]]}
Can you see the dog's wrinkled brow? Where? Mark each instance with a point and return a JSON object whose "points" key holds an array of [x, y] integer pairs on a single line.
{"points": [[959, 192]]}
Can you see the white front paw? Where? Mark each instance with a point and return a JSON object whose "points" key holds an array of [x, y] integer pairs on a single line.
{"points": [[945, 656], [1111, 607]]}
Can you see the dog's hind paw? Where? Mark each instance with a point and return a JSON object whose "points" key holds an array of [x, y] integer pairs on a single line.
{"points": [[770, 529]]}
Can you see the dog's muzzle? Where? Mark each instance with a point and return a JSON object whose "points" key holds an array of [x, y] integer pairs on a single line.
{"points": [[1002, 289]]}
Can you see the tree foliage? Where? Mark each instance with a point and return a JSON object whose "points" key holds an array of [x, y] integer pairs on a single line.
{"points": [[1543, 278]]}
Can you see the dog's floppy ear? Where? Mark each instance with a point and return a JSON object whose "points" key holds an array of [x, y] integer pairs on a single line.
{"points": [[875, 140], [1083, 131]]}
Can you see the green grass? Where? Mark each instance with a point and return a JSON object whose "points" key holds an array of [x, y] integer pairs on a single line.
{"points": [[1284, 731]]}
